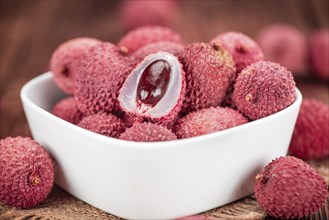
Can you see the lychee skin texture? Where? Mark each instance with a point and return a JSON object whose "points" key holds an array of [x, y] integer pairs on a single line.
{"points": [[319, 53], [142, 36], [209, 71], [104, 124], [67, 110], [101, 74], [310, 139], [243, 49], [26, 172], [207, 121], [63, 59], [263, 89], [147, 132], [290, 188]]}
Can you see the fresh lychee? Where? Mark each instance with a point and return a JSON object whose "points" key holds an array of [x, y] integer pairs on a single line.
{"points": [[310, 139], [101, 74], [147, 132], [26, 172], [290, 188], [64, 58], [284, 44], [155, 89], [207, 121], [262, 89], [142, 36], [319, 53], [209, 71], [67, 110]]}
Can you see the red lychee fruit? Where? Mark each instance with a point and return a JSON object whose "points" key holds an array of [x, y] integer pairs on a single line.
{"points": [[147, 132], [195, 217], [142, 36], [284, 44], [67, 110], [101, 74], [310, 139], [209, 71], [64, 58], [290, 188], [319, 53], [155, 89], [26, 172], [262, 89], [207, 121]]}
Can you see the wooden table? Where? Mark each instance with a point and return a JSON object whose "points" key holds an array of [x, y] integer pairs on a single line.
{"points": [[31, 30]]}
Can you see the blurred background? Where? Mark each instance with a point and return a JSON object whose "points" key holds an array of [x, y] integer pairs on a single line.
{"points": [[32, 30]]}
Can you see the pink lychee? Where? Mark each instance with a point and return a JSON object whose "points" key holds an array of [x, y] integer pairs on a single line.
{"points": [[67, 110]]}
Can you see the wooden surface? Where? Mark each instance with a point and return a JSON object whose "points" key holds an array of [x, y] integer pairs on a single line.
{"points": [[31, 30]]}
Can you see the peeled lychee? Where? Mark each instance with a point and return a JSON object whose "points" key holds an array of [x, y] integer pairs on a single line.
{"points": [[209, 71], [147, 132], [284, 44], [290, 188], [142, 36], [67, 110], [310, 139], [101, 74], [26, 172], [155, 89], [319, 53], [262, 89], [64, 58], [207, 121]]}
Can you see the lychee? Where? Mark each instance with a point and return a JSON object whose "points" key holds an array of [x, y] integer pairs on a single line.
{"points": [[147, 132], [310, 139], [155, 89], [142, 36], [319, 53], [101, 74], [209, 71], [26, 172], [104, 124], [290, 188], [67, 110], [262, 89], [207, 121], [63, 59]]}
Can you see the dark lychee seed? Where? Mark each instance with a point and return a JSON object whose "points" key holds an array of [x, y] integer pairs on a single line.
{"points": [[153, 83]]}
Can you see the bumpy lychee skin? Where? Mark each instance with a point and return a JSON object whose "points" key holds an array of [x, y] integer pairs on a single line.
{"points": [[207, 121], [26, 172], [319, 53], [63, 59], [262, 89], [310, 139], [101, 74], [147, 132], [142, 36], [209, 71], [290, 188], [67, 110]]}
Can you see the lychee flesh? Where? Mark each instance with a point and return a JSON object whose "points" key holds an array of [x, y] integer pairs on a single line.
{"points": [[207, 121], [142, 36], [147, 132], [209, 71], [67, 110], [262, 89], [310, 139], [63, 59], [290, 188], [26, 172], [101, 74], [104, 124]]}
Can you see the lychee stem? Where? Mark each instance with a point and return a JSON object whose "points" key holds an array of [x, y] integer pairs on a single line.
{"points": [[124, 50], [248, 97], [216, 46], [34, 179], [259, 177]]}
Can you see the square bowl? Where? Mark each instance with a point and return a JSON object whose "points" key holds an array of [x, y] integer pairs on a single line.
{"points": [[159, 180]]}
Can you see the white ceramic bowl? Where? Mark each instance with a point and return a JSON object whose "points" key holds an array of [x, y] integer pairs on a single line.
{"points": [[163, 180]]}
